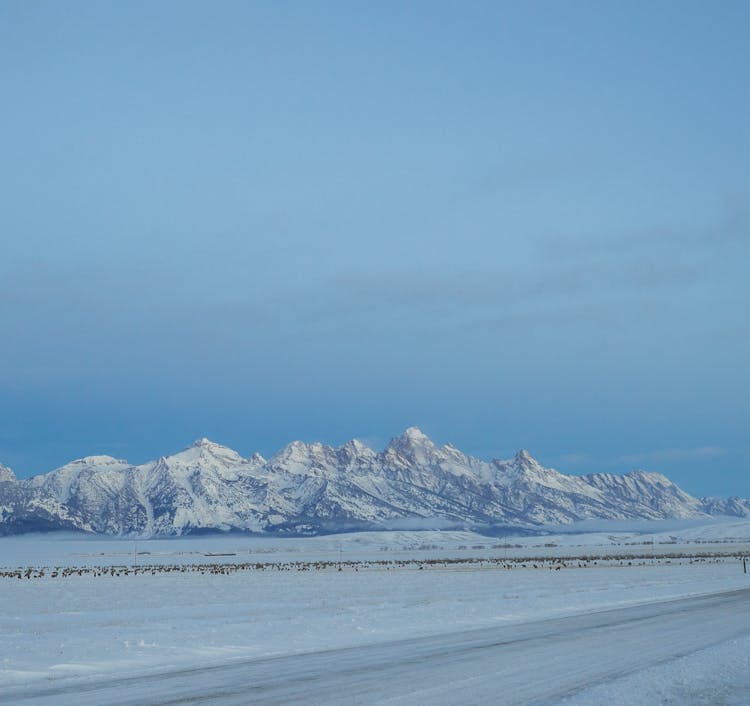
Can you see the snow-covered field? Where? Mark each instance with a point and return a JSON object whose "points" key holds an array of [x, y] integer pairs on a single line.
{"points": [[82, 628], [602, 538]]}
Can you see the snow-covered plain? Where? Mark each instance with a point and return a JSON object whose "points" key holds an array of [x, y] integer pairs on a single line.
{"points": [[73, 631], [600, 537]]}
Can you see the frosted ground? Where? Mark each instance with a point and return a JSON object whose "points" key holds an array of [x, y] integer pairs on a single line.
{"points": [[78, 630]]}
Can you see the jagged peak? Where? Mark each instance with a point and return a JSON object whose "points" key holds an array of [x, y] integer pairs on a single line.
{"points": [[355, 449], [318, 448], [411, 437], [414, 446], [295, 446], [451, 451], [415, 434], [358, 447], [299, 457], [294, 450], [524, 458], [6, 473]]}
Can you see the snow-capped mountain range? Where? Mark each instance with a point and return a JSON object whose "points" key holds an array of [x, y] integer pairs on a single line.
{"points": [[312, 488]]}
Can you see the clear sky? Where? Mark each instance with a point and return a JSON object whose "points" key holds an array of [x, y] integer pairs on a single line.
{"points": [[513, 224]]}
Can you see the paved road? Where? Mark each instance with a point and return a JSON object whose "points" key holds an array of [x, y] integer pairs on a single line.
{"points": [[529, 663]]}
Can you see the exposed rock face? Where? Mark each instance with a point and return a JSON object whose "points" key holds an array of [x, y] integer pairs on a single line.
{"points": [[308, 488]]}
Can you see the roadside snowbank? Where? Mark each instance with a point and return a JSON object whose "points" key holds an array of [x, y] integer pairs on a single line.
{"points": [[717, 675]]}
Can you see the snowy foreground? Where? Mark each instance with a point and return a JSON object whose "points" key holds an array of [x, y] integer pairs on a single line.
{"points": [[499, 624]]}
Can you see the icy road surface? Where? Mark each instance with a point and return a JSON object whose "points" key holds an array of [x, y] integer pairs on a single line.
{"points": [[542, 661]]}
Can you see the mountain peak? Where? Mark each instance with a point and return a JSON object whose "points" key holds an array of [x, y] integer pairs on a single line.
{"points": [[6, 474], [204, 443], [294, 452], [524, 458], [355, 451], [414, 445], [356, 447], [413, 436], [202, 450], [100, 460]]}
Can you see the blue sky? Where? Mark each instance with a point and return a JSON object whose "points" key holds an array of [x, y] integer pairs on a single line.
{"points": [[512, 224]]}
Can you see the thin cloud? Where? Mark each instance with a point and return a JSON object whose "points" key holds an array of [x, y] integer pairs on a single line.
{"points": [[570, 293], [730, 229], [700, 453], [575, 459]]}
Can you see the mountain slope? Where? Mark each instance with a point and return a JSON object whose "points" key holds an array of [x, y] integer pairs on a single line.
{"points": [[309, 488]]}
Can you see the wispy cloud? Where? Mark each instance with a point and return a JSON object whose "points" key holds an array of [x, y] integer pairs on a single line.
{"points": [[730, 228], [575, 459], [570, 292], [700, 453]]}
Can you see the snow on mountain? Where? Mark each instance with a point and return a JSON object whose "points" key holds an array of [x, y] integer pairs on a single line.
{"points": [[92, 490], [64, 481], [648, 495], [732, 507], [6, 474], [311, 488], [205, 486]]}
